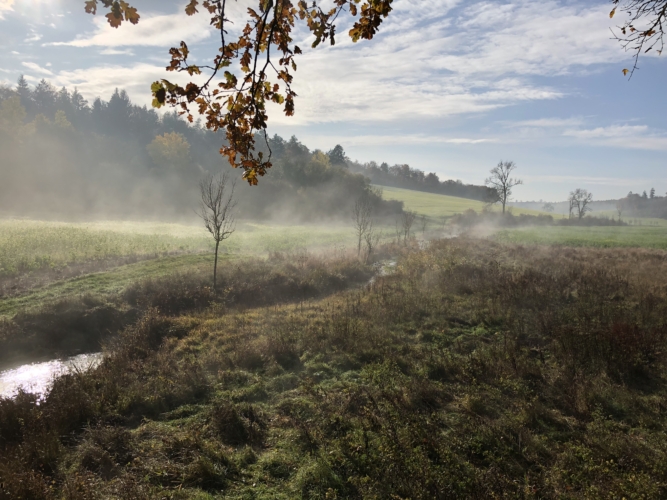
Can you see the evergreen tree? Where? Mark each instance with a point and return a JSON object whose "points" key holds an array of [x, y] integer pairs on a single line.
{"points": [[24, 92]]}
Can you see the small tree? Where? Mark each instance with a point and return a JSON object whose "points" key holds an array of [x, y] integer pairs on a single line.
{"points": [[371, 238], [423, 222], [407, 220], [361, 218], [580, 200], [218, 211], [548, 207], [652, 193], [170, 151], [501, 181]]}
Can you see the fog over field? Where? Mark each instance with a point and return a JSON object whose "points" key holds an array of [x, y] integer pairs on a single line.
{"points": [[400, 249]]}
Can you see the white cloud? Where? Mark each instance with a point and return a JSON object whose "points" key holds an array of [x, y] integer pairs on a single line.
{"points": [[101, 81], [613, 131], [116, 52], [34, 37], [37, 68], [441, 60], [622, 136], [402, 139], [5, 6], [546, 123], [159, 30]]}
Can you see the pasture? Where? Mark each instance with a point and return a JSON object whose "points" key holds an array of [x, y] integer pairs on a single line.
{"points": [[440, 205]]}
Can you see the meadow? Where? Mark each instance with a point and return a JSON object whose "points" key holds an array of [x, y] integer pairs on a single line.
{"points": [[29, 245], [603, 237], [476, 370]]}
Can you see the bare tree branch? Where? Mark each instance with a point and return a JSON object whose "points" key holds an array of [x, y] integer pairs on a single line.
{"points": [[644, 30]]}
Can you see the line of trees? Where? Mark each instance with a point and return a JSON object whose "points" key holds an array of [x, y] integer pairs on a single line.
{"points": [[63, 156]]}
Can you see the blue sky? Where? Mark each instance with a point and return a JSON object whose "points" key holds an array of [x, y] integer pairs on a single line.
{"points": [[448, 86]]}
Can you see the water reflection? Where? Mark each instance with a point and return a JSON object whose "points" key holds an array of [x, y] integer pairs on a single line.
{"points": [[38, 377]]}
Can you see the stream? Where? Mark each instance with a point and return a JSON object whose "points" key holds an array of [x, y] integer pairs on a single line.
{"points": [[37, 378]]}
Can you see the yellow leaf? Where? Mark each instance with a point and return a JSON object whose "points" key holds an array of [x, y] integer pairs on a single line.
{"points": [[611, 14], [626, 71]]}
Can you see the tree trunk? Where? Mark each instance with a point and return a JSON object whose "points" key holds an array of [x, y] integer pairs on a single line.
{"points": [[215, 267]]}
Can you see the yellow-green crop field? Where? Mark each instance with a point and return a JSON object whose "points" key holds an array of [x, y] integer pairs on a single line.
{"points": [[440, 205]]}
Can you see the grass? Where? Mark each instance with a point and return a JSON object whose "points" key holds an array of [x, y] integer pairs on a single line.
{"points": [[27, 245], [440, 205], [603, 237], [109, 282], [476, 370]]}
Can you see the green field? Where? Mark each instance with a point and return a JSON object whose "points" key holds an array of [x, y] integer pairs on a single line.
{"points": [[109, 282], [28, 245], [440, 205], [603, 237], [29, 249]]}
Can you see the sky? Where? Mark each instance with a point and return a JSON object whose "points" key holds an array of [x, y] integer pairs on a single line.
{"points": [[447, 86]]}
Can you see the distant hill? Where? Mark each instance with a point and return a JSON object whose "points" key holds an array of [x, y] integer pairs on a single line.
{"points": [[405, 177]]}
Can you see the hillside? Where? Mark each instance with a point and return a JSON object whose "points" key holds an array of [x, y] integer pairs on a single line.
{"points": [[440, 205]]}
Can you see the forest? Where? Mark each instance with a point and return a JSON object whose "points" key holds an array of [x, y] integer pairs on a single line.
{"points": [[116, 159]]}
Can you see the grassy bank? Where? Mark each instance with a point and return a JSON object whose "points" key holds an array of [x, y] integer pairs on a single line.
{"points": [[78, 315], [477, 370]]}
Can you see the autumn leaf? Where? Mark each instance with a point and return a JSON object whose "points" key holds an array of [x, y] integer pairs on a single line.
{"points": [[626, 71], [114, 21], [191, 8], [91, 7], [611, 14]]}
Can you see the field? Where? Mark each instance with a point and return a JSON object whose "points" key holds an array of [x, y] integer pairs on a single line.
{"points": [[27, 245], [439, 205], [603, 237], [476, 370]]}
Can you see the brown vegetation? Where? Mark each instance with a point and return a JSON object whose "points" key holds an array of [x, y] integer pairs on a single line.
{"points": [[477, 370]]}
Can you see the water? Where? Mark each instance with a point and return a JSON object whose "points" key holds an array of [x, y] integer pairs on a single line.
{"points": [[38, 377]]}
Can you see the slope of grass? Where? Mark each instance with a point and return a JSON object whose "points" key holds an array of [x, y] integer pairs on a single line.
{"points": [[108, 282], [478, 370], [604, 237], [440, 205]]}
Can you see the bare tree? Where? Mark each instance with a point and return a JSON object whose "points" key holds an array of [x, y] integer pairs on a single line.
{"points": [[580, 200], [371, 238], [423, 222], [218, 211], [407, 220], [501, 181], [643, 30], [361, 218]]}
